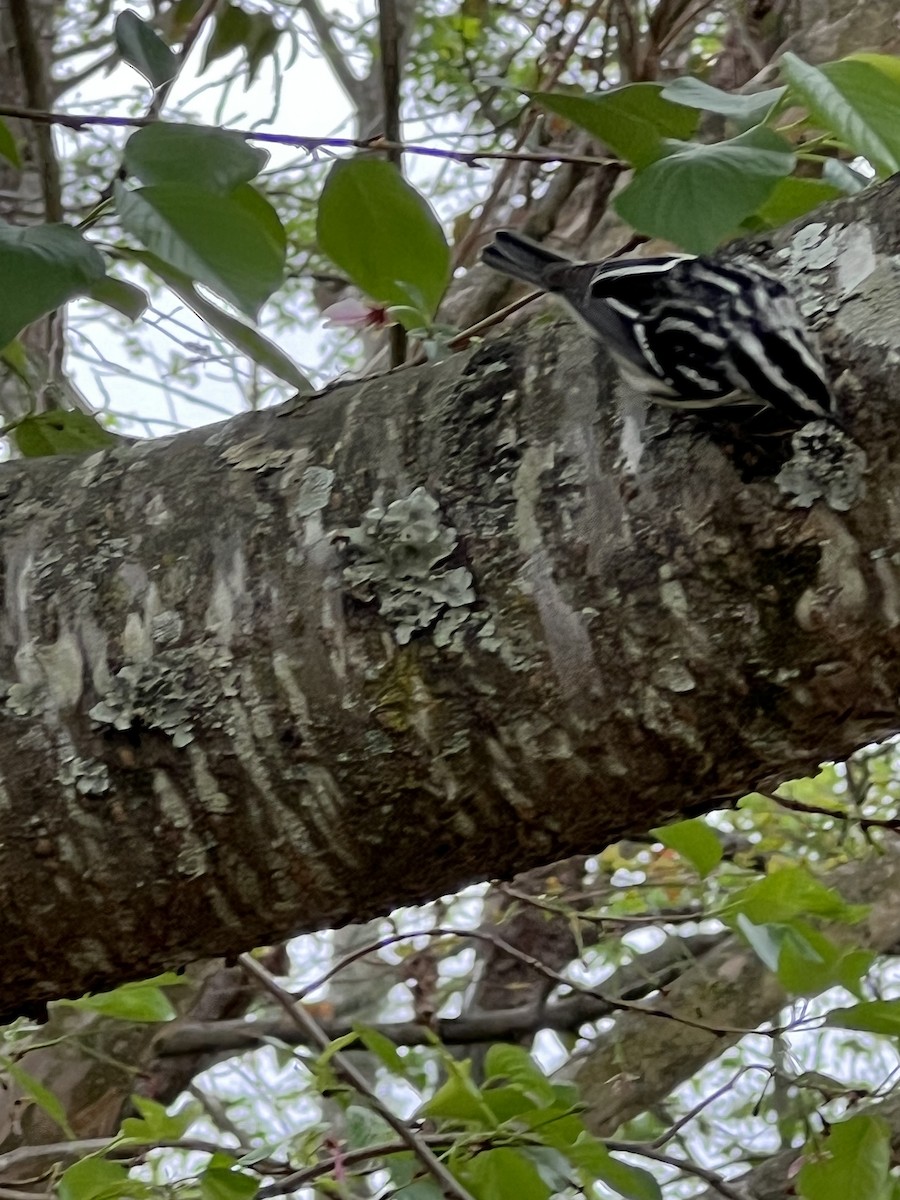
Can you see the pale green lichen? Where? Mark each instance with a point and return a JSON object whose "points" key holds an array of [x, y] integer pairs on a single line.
{"points": [[825, 465], [394, 556]]}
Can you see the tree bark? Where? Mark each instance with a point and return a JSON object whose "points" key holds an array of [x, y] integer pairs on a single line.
{"points": [[317, 662]]}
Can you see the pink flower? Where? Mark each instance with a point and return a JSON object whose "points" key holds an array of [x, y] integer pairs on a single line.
{"points": [[356, 314]]}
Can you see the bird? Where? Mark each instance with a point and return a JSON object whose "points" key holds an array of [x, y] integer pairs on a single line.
{"points": [[689, 331]]}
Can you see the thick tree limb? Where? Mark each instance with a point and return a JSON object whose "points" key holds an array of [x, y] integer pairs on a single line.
{"points": [[236, 706]]}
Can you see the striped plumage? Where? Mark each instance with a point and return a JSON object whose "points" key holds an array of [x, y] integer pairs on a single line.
{"points": [[694, 333]]}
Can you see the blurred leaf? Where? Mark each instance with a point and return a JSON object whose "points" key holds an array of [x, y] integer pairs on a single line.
{"points": [[218, 158], [503, 1173], [9, 148], [220, 1183], [365, 1127], [42, 1096], [230, 32], [382, 1047], [261, 40], [94, 1177], [238, 29], [383, 234], [633, 120], [694, 841], [695, 93], [142, 48], [596, 1163], [41, 267], [124, 297], [697, 194], [213, 239], [855, 101], [141, 1001], [854, 1161], [792, 892], [249, 341], [764, 940], [459, 1098], [154, 1123], [874, 1016], [793, 197], [61, 431], [811, 963], [888, 64], [516, 1066]]}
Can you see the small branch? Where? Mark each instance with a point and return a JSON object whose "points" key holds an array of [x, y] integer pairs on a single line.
{"points": [[334, 56], [308, 1175], [469, 158], [35, 80], [199, 19], [713, 1178], [389, 34], [344, 1068], [836, 814]]}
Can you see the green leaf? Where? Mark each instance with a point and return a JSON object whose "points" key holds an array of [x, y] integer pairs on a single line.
{"points": [[220, 1183], [41, 267], [220, 158], [696, 195], [383, 234], [61, 431], [458, 1099], [695, 841], [92, 1179], [765, 940], [854, 1161], [9, 148], [142, 48], [214, 239], [382, 1047], [631, 1182], [810, 962], [874, 1016], [154, 1123], [261, 40], [502, 1173], [854, 100], [42, 1096], [633, 120], [230, 32], [254, 32], [793, 197], [516, 1066], [792, 892], [124, 297], [365, 1127], [244, 337], [748, 109], [140, 1001], [595, 1162]]}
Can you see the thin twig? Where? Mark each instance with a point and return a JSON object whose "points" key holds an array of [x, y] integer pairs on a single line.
{"points": [[469, 158], [389, 34], [343, 1067], [349, 1158], [713, 1178], [34, 77]]}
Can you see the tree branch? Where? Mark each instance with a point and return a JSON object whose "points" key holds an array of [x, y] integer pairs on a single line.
{"points": [[257, 715]]}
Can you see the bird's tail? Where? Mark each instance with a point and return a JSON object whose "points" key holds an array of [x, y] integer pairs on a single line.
{"points": [[519, 256]]}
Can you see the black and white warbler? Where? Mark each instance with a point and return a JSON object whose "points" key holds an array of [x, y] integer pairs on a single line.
{"points": [[693, 333]]}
